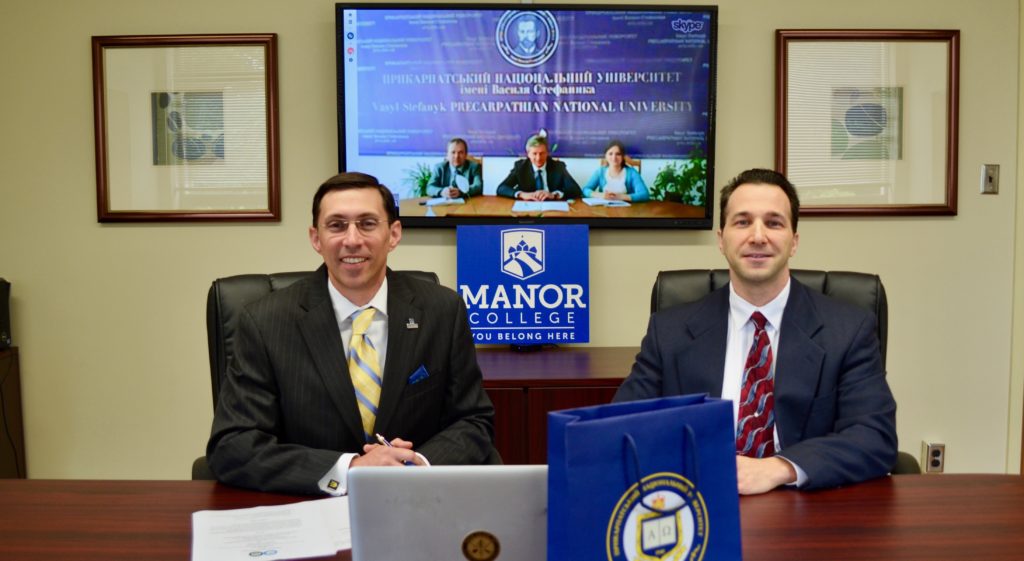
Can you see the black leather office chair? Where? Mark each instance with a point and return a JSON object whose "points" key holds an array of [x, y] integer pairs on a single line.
{"points": [[859, 289], [225, 300]]}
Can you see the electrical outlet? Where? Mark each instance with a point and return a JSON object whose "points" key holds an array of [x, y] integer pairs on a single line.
{"points": [[933, 457]]}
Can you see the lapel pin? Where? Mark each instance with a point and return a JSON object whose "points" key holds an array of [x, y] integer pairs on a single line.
{"points": [[411, 324]]}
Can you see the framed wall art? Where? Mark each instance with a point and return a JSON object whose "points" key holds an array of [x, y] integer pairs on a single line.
{"points": [[866, 120], [186, 127]]}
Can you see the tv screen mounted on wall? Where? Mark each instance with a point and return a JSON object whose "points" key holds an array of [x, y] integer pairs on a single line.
{"points": [[413, 77]]}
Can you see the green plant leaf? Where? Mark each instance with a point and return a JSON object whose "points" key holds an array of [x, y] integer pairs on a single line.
{"points": [[417, 178]]}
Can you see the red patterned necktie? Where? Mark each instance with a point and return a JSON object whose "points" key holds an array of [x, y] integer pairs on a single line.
{"points": [[755, 431]]}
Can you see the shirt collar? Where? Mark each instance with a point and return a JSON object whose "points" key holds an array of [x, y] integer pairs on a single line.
{"points": [[344, 308], [740, 310]]}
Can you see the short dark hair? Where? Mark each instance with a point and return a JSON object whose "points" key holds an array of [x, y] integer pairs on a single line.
{"points": [[459, 141], [758, 176], [355, 180]]}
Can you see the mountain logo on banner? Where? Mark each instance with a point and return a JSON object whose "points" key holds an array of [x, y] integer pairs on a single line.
{"points": [[522, 252]]}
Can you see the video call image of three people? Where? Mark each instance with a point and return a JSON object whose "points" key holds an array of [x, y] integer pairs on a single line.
{"points": [[537, 176]]}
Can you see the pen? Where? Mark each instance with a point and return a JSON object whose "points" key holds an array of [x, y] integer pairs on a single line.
{"points": [[384, 442]]}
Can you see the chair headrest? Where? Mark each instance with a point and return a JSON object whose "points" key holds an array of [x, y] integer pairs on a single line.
{"points": [[860, 289], [226, 299]]}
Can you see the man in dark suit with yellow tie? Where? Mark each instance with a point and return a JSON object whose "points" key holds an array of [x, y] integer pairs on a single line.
{"points": [[352, 351], [804, 370], [538, 177]]}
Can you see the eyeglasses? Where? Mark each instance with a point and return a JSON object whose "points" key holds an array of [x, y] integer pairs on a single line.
{"points": [[364, 225]]}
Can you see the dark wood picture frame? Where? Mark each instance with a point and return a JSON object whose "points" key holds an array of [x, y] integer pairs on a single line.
{"points": [[151, 166], [940, 179]]}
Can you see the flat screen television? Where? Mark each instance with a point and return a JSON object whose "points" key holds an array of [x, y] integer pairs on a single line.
{"points": [[412, 77]]}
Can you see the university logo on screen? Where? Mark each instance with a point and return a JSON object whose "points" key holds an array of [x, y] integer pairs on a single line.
{"points": [[526, 39], [525, 286]]}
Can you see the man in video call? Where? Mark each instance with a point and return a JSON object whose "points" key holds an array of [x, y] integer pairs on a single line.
{"points": [[457, 176], [539, 178], [352, 351], [828, 418]]}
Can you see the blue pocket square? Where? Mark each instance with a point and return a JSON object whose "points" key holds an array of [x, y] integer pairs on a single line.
{"points": [[418, 376]]}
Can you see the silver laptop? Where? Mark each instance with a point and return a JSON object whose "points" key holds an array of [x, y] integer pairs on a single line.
{"points": [[449, 513]]}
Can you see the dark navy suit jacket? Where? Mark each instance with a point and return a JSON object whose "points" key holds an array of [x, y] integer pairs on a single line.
{"points": [[522, 178], [287, 409], [836, 415]]}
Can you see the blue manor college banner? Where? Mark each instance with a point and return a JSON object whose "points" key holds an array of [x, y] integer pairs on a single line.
{"points": [[526, 285]]}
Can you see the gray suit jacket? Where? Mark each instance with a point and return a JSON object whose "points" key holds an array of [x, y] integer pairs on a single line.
{"points": [[441, 178], [836, 415], [287, 409]]}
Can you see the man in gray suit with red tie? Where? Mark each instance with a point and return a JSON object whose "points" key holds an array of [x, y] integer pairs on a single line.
{"points": [[804, 371], [352, 351]]}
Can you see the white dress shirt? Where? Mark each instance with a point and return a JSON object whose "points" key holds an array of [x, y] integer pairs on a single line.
{"points": [[335, 481], [458, 178], [739, 340]]}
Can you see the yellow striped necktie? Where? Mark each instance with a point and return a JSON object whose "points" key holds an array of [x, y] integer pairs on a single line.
{"points": [[364, 368]]}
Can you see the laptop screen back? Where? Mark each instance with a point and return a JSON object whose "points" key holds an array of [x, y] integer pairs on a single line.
{"points": [[449, 513]]}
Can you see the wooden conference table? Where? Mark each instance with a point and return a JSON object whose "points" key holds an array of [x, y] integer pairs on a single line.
{"points": [[905, 517], [494, 206]]}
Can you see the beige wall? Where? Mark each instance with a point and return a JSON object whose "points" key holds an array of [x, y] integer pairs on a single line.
{"points": [[1014, 438], [110, 318]]}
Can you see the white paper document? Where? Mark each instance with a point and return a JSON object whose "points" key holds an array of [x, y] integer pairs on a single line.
{"points": [[443, 201], [307, 529], [593, 201], [335, 512], [540, 206]]}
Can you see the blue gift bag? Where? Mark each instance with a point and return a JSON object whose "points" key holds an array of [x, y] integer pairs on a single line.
{"points": [[652, 480]]}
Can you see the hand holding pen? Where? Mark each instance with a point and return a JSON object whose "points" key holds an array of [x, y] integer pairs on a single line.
{"points": [[386, 453], [385, 442]]}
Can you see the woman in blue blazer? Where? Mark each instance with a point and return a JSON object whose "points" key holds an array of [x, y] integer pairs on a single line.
{"points": [[616, 181]]}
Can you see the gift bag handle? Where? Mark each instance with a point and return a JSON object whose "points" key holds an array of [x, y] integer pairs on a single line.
{"points": [[690, 462]]}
